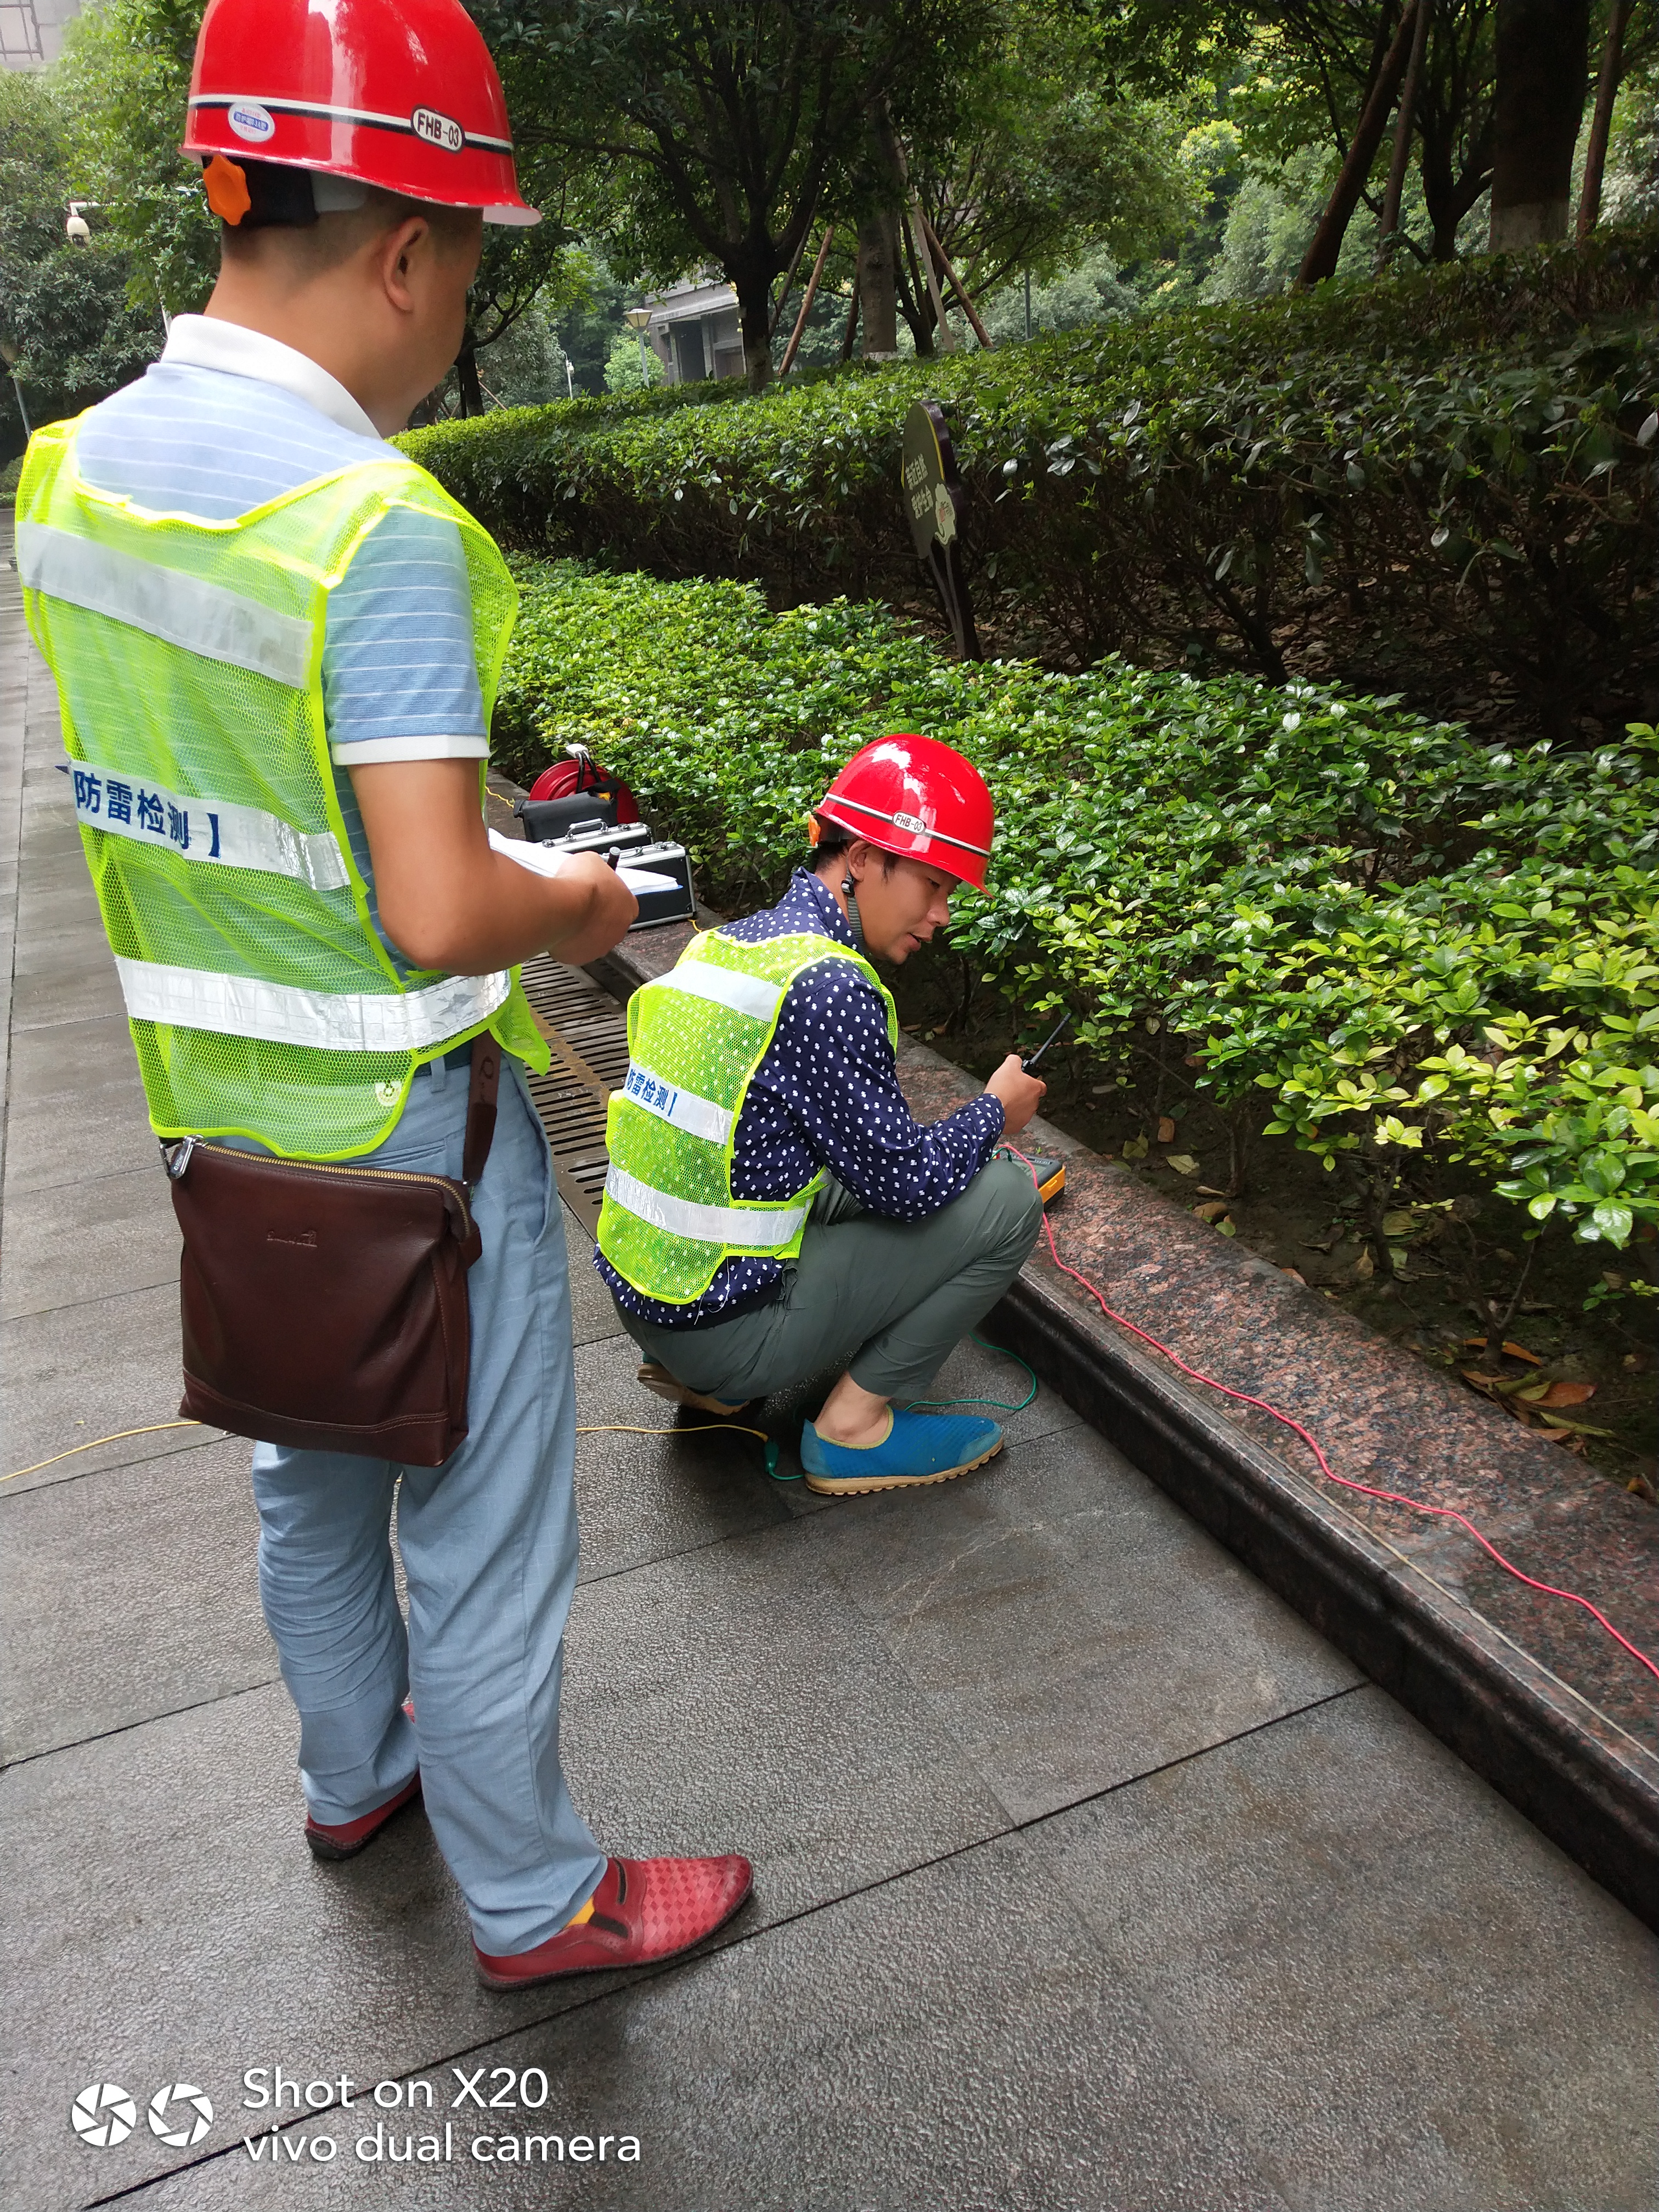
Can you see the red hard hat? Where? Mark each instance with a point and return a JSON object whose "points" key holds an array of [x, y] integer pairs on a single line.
{"points": [[917, 798], [401, 93]]}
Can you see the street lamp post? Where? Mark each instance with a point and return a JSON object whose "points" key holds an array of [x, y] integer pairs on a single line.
{"points": [[9, 354], [639, 320]]}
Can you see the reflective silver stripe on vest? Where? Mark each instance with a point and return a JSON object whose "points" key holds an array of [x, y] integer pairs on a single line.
{"points": [[744, 994], [332, 1021], [204, 829], [166, 603], [698, 1117], [704, 1224]]}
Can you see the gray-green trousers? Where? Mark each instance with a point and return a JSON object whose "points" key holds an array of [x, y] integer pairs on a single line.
{"points": [[884, 1299]]}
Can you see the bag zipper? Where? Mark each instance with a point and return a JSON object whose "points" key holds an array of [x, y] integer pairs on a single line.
{"points": [[179, 1158]]}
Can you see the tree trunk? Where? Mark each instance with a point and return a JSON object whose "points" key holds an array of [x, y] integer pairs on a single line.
{"points": [[916, 232], [1607, 91], [931, 236], [753, 285], [1542, 55], [806, 300], [1450, 198], [878, 248], [851, 331], [878, 236], [1402, 138], [790, 275], [466, 377], [1320, 260], [915, 295], [1442, 246]]}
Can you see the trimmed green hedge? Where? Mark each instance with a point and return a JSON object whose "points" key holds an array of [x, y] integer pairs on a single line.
{"points": [[1456, 455], [1363, 927]]}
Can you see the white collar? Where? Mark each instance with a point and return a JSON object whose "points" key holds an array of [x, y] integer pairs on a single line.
{"points": [[206, 342]]}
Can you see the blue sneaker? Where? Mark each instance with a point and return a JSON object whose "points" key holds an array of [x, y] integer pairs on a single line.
{"points": [[917, 1449]]}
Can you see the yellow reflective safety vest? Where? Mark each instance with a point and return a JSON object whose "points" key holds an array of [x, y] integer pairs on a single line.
{"points": [[695, 1037], [188, 657]]}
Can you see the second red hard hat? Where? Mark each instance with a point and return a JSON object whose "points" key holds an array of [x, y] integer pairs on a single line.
{"points": [[400, 93], [919, 799]]}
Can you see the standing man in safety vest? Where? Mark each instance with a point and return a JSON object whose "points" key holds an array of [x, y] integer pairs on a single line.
{"points": [[774, 1211], [276, 643]]}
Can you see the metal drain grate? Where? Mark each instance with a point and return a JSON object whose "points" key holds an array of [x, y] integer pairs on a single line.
{"points": [[587, 1033]]}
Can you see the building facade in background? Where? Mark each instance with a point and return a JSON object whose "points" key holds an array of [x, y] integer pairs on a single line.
{"points": [[694, 330], [31, 31]]}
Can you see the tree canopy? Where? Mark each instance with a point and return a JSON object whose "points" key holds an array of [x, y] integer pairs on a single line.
{"points": [[1048, 164], [67, 310]]}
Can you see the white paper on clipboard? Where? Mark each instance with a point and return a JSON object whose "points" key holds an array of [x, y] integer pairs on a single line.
{"points": [[540, 859], [549, 860]]}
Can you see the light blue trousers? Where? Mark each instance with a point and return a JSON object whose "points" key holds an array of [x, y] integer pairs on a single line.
{"points": [[488, 1544]]}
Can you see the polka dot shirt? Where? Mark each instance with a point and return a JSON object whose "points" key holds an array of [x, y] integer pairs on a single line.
{"points": [[826, 1095]]}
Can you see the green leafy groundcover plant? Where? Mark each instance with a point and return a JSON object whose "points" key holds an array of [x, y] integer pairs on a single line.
{"points": [[1395, 940], [1464, 455]]}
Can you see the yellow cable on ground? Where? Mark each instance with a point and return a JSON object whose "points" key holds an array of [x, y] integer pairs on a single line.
{"points": [[605, 1429], [120, 1437], [691, 1428]]}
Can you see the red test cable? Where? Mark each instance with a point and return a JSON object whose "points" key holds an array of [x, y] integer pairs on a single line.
{"points": [[1390, 1497]]}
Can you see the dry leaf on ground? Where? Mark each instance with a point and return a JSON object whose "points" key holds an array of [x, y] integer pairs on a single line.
{"points": [[1166, 1131], [1515, 1351], [1526, 1389], [1212, 1210], [1182, 1163]]}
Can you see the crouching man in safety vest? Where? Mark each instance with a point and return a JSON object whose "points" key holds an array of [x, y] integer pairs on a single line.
{"points": [[774, 1211], [276, 643]]}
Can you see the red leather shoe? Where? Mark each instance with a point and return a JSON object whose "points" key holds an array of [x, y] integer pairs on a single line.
{"points": [[643, 1909], [346, 1841]]}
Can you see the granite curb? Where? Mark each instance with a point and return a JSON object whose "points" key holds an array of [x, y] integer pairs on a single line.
{"points": [[1557, 1739], [1591, 1790]]}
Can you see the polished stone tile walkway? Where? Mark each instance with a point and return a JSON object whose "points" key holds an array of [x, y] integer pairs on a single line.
{"points": [[1089, 1879]]}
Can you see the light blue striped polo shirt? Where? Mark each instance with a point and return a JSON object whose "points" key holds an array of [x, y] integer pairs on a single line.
{"points": [[229, 418]]}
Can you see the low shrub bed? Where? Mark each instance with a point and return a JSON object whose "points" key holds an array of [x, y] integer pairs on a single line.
{"points": [[1453, 468], [1425, 965]]}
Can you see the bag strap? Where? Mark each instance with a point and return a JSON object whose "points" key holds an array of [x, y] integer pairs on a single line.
{"points": [[480, 1118], [481, 1107]]}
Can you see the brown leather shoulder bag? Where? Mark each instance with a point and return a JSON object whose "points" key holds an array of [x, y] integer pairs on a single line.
{"points": [[326, 1306]]}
